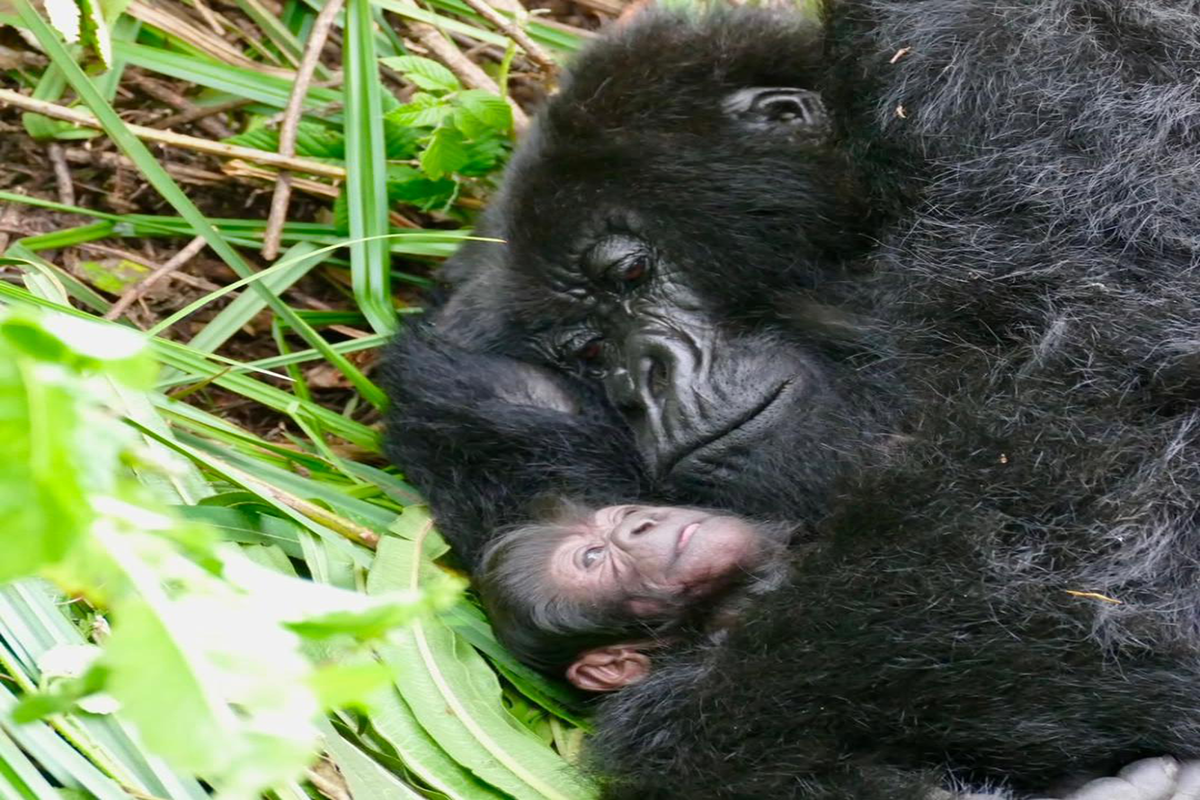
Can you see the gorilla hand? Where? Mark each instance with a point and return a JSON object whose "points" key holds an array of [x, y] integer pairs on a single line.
{"points": [[483, 435]]}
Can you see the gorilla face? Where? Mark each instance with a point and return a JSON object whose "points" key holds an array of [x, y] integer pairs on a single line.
{"points": [[634, 259], [690, 390]]}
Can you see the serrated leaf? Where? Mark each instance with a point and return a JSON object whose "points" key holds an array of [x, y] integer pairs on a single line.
{"points": [[401, 142], [424, 111], [444, 154], [317, 141], [483, 111], [95, 31], [424, 72], [341, 215], [484, 156], [64, 16], [425, 194], [312, 141], [259, 138]]}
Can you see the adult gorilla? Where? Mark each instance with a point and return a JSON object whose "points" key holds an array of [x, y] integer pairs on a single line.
{"points": [[930, 272]]}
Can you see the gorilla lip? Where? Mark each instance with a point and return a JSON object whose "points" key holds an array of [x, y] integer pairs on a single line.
{"points": [[745, 419]]}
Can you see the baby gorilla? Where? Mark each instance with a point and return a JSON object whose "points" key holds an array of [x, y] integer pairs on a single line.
{"points": [[594, 594], [586, 594]]}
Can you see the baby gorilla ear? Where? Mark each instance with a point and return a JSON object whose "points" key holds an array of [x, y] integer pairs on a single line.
{"points": [[779, 108], [608, 668]]}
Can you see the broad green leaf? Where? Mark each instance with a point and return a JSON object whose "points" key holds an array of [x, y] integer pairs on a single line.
{"points": [[439, 673], [364, 776], [42, 491], [424, 111], [479, 113], [393, 721], [445, 153], [424, 72]]}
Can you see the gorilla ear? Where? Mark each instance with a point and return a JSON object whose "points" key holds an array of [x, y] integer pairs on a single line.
{"points": [[608, 668], [782, 108]]}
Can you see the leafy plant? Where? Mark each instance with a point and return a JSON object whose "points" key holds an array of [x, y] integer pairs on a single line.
{"points": [[468, 128], [207, 650]]}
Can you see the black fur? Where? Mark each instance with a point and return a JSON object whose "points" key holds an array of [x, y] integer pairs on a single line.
{"points": [[995, 263]]}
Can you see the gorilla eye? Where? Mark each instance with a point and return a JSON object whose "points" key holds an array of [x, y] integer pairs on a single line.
{"points": [[590, 556], [590, 352], [633, 270]]}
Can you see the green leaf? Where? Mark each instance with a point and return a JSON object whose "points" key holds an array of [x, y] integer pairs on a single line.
{"points": [[445, 153], [364, 776], [347, 685], [401, 142], [95, 31], [408, 186], [423, 111], [478, 113], [450, 688], [485, 156], [42, 493], [312, 141], [366, 180], [424, 72]]}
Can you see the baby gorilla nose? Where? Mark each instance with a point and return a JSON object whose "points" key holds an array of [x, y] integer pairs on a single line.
{"points": [[642, 527]]}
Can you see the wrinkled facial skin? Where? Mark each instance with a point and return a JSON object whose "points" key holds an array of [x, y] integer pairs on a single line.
{"points": [[644, 247], [688, 389], [645, 557]]}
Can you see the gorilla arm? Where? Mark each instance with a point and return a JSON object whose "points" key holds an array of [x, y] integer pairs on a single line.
{"points": [[482, 436]]}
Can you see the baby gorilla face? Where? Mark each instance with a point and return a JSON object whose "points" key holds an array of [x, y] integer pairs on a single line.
{"points": [[651, 557]]}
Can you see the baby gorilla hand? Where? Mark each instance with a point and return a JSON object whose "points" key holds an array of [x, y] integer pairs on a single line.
{"points": [[1149, 779]]}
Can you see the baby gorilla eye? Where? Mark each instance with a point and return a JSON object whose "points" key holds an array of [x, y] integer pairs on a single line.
{"points": [[590, 556]]}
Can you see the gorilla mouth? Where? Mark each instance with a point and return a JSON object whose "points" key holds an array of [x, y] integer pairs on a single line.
{"points": [[715, 438]]}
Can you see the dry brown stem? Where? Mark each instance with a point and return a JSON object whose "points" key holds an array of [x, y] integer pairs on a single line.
{"points": [[146, 284], [532, 49], [291, 121], [175, 139]]}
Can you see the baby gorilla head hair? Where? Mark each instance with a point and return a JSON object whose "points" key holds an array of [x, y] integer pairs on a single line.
{"points": [[588, 591]]}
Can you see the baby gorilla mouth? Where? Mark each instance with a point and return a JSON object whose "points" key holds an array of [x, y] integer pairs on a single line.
{"points": [[685, 535], [739, 429]]}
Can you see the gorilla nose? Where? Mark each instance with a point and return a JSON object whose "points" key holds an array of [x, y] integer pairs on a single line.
{"points": [[643, 382]]}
